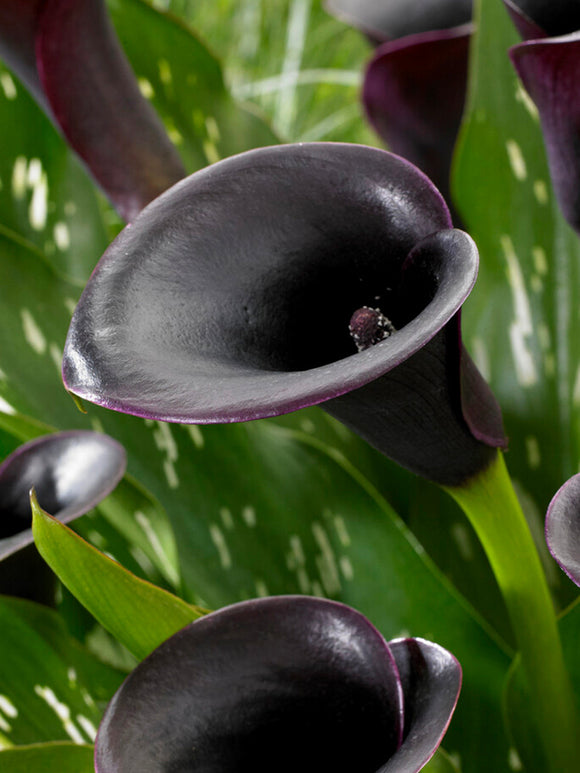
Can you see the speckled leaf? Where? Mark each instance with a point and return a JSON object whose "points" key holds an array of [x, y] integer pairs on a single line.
{"points": [[526, 340], [57, 757], [143, 525], [50, 688], [137, 613], [45, 195], [290, 519]]}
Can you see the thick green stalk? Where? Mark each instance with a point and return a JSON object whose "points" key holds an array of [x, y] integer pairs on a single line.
{"points": [[490, 503]]}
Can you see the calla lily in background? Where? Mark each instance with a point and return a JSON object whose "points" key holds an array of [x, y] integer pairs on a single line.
{"points": [[415, 84], [284, 683], [231, 296], [71, 473], [548, 62], [563, 528], [67, 54]]}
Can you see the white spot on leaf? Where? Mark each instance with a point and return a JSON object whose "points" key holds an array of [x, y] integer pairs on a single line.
{"points": [[521, 328], [61, 236], [32, 333], [19, 177], [541, 192], [221, 545], [8, 86], [249, 516], [517, 161]]}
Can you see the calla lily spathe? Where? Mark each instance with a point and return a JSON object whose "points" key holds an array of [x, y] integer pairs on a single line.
{"points": [[548, 63], [229, 299], [284, 683]]}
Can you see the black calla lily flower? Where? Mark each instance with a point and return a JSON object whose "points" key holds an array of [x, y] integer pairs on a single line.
{"points": [[229, 299], [548, 63], [71, 473], [563, 528], [67, 54], [284, 683], [415, 83]]}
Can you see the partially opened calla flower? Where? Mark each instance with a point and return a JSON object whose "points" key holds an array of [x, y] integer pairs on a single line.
{"points": [[548, 62], [563, 528], [285, 683], [67, 54], [231, 296], [71, 473], [415, 84]]}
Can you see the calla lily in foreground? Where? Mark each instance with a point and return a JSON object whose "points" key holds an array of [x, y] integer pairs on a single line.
{"points": [[285, 683], [230, 297], [67, 54], [548, 62], [71, 473], [415, 84], [563, 528]]}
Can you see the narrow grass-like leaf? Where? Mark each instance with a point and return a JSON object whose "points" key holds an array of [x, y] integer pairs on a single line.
{"points": [[138, 614]]}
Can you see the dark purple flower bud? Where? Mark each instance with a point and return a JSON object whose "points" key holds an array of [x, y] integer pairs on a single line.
{"points": [[415, 84], [71, 473], [67, 54], [548, 64], [230, 298], [563, 528], [285, 683]]}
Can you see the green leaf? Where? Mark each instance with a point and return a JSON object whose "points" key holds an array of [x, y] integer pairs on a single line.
{"points": [[50, 687], [57, 757], [132, 512], [185, 84], [98, 678], [441, 763], [520, 322], [45, 194], [140, 615]]}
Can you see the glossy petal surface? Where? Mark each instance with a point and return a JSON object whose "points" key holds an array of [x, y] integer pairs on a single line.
{"points": [[71, 472], [563, 528], [284, 683], [68, 55], [397, 18], [431, 679], [548, 64], [550, 71], [414, 93], [230, 297]]}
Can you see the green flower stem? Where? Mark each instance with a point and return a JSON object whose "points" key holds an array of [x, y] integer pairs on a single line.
{"points": [[490, 503]]}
